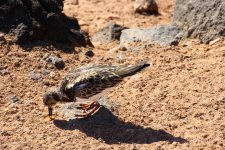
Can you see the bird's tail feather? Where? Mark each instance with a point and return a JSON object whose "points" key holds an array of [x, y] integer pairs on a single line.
{"points": [[127, 70]]}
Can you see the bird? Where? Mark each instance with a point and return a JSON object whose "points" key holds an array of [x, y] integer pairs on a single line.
{"points": [[87, 81]]}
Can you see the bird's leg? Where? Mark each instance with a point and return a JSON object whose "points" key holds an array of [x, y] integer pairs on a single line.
{"points": [[88, 114], [90, 106], [50, 114]]}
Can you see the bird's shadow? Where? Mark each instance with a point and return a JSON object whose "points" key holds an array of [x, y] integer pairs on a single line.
{"points": [[106, 126]]}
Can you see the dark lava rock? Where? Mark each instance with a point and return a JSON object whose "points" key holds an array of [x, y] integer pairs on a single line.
{"points": [[200, 19], [38, 20], [89, 53], [108, 34]]}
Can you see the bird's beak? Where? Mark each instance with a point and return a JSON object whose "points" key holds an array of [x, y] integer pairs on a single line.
{"points": [[50, 113]]}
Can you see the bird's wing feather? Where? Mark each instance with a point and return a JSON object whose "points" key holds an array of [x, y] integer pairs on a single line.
{"points": [[92, 81], [92, 67], [89, 80]]}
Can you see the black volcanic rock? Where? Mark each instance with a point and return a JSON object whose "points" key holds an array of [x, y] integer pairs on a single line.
{"points": [[39, 20]]}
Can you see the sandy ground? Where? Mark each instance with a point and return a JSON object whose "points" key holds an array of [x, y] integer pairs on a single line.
{"points": [[177, 103]]}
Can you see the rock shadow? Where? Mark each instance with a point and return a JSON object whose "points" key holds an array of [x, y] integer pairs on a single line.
{"points": [[51, 46], [106, 126]]}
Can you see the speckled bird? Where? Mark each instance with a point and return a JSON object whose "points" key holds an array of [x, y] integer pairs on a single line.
{"points": [[86, 82]]}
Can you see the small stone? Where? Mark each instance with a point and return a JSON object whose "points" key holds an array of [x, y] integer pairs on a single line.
{"points": [[222, 99], [46, 57], [214, 41], [2, 38], [188, 44], [57, 61], [89, 53], [4, 72], [5, 133], [35, 76], [17, 64], [120, 58], [205, 136], [45, 82], [73, 2], [14, 99], [45, 71], [18, 118], [115, 49], [134, 147], [52, 74], [174, 143], [216, 107], [146, 7]]}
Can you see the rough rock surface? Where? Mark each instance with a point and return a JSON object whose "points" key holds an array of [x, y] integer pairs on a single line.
{"points": [[163, 35], [108, 34], [200, 19], [33, 20], [146, 7]]}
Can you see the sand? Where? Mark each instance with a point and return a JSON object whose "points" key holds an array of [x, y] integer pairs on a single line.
{"points": [[177, 103]]}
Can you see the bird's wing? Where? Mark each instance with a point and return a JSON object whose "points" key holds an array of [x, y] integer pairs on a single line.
{"points": [[89, 67], [90, 82]]}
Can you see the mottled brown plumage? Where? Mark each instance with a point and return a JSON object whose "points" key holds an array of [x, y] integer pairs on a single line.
{"points": [[88, 81]]}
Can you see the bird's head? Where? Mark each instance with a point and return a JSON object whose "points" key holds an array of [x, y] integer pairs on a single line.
{"points": [[51, 97]]}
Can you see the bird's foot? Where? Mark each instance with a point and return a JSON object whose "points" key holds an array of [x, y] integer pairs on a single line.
{"points": [[51, 118], [94, 107], [90, 106]]}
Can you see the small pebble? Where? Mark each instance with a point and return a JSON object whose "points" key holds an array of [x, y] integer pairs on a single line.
{"points": [[214, 41], [45, 71], [45, 82], [89, 53], [52, 74], [57, 61], [14, 99], [222, 99], [35, 76], [2, 38], [4, 72]]}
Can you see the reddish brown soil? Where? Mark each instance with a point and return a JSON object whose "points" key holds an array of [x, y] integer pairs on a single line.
{"points": [[178, 98]]}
